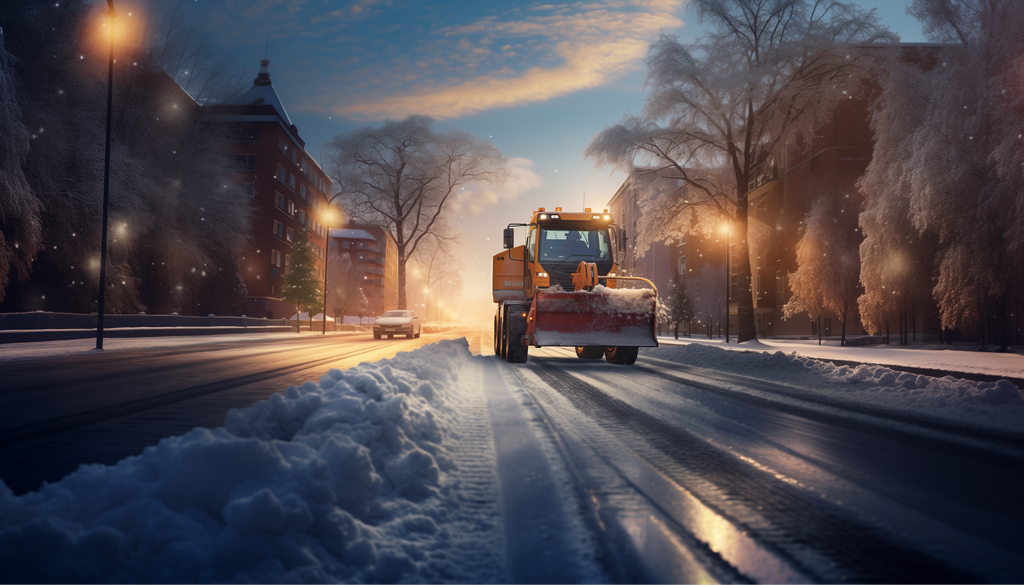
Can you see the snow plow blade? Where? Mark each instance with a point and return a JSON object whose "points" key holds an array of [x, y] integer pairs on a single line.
{"points": [[602, 317]]}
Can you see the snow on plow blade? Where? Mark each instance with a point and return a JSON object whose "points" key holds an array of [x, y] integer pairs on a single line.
{"points": [[602, 317]]}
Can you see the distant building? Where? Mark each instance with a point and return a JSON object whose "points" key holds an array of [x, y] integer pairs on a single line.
{"points": [[374, 256], [289, 192]]}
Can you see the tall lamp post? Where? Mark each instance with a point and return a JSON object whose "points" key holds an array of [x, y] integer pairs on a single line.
{"points": [[106, 186], [728, 283], [327, 256]]}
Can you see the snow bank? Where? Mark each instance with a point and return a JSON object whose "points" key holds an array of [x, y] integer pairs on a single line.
{"points": [[993, 405], [347, 479]]}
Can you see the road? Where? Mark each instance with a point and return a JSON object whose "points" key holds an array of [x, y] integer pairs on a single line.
{"points": [[734, 479], [62, 412], [680, 474]]}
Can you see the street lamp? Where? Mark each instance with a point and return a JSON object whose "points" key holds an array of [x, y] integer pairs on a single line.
{"points": [[728, 229], [327, 257], [106, 186]]}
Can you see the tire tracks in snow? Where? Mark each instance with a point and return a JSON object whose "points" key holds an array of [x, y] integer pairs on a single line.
{"points": [[826, 541]]}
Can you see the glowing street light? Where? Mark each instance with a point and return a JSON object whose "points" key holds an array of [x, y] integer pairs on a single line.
{"points": [[106, 186], [327, 255]]}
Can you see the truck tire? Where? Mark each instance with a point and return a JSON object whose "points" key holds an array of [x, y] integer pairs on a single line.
{"points": [[624, 355], [515, 328], [376, 335], [589, 352]]}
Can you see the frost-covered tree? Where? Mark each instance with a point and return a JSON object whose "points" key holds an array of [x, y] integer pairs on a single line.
{"points": [[766, 73], [177, 226], [20, 228], [301, 283], [950, 129], [405, 176], [707, 289], [827, 280]]}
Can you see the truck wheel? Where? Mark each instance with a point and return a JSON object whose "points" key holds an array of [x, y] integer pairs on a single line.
{"points": [[589, 352], [409, 335], [376, 335], [621, 355], [391, 335], [515, 328], [502, 338]]}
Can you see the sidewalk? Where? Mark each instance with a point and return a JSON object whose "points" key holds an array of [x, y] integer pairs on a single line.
{"points": [[936, 358]]}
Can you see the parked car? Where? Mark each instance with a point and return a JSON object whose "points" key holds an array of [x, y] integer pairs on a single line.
{"points": [[393, 323]]}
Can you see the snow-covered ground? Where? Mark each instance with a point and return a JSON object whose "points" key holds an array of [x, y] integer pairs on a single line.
{"points": [[365, 475], [955, 358], [995, 405]]}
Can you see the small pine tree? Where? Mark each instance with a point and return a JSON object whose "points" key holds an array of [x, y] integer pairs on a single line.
{"points": [[301, 285], [680, 305]]}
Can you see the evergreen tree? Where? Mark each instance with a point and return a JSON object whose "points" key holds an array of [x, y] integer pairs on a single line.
{"points": [[301, 283], [680, 305]]}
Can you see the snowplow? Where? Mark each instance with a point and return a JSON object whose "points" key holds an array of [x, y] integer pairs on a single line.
{"points": [[560, 288]]}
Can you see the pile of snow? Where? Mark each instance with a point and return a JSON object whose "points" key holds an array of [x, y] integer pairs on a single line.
{"points": [[993, 405], [348, 479]]}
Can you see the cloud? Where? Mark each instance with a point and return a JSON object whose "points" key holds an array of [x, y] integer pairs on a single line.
{"points": [[546, 52], [475, 198]]}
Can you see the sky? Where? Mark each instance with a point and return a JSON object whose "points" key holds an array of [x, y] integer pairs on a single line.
{"points": [[539, 80]]}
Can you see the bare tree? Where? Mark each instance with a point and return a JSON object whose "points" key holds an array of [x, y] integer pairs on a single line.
{"points": [[707, 290], [766, 74], [344, 295], [438, 265], [949, 127], [404, 176]]}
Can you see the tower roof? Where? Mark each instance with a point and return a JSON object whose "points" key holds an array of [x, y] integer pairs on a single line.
{"points": [[262, 93]]}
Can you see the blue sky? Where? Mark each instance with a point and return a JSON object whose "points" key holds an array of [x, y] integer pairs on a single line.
{"points": [[537, 79]]}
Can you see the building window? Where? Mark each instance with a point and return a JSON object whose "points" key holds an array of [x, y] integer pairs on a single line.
{"points": [[334, 243], [282, 175], [280, 202], [291, 235], [291, 181], [295, 156], [250, 190], [282, 144], [346, 244], [681, 266], [245, 162], [291, 208], [275, 258], [302, 216], [304, 193], [279, 229]]}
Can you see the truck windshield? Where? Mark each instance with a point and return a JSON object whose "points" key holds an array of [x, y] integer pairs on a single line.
{"points": [[559, 245]]}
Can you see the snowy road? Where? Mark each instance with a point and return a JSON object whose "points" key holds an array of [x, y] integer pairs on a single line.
{"points": [[734, 478], [446, 464]]}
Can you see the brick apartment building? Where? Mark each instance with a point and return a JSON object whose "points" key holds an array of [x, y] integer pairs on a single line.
{"points": [[374, 256], [289, 192]]}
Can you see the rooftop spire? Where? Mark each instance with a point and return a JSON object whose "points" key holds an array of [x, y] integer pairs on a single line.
{"points": [[264, 75]]}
